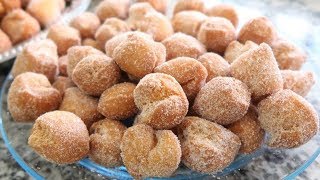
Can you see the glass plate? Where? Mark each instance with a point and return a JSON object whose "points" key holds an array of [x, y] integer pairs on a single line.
{"points": [[76, 7], [285, 164]]}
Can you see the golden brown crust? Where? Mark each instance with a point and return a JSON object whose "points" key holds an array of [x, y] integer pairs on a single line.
{"points": [[216, 33], [180, 44], [226, 11], [105, 140], [258, 30], [298, 81], [60, 137], [87, 24], [215, 65], [223, 100], [46, 12], [206, 146], [149, 153], [81, 105], [259, 70], [31, 95], [194, 5], [64, 37], [117, 102], [289, 119], [62, 83], [189, 72], [112, 8], [5, 42], [235, 49], [95, 73], [159, 5], [161, 101], [39, 57], [19, 25]]}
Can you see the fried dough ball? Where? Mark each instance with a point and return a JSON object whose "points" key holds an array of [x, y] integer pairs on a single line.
{"points": [[95, 73], [93, 43], [226, 11], [112, 8], [19, 26], [259, 70], [188, 22], [40, 57], [64, 37], [117, 102], [258, 30], [63, 62], [149, 153], [289, 119], [180, 44], [77, 53], [288, 55], [161, 101], [10, 5], [216, 33], [46, 12], [249, 131], [189, 72], [235, 49], [137, 13], [215, 65], [155, 24], [31, 95], [194, 5], [62, 83], [159, 5], [82, 105], [105, 140], [5, 44], [206, 146], [87, 24], [298, 81], [60, 137], [223, 100], [110, 28], [143, 55]]}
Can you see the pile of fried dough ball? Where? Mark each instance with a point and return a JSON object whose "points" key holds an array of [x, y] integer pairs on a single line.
{"points": [[196, 91], [22, 19]]}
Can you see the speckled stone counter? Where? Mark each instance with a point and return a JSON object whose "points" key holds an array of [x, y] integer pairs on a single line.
{"points": [[296, 20]]}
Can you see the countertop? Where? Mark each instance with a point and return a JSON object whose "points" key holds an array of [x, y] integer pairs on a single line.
{"points": [[263, 167]]}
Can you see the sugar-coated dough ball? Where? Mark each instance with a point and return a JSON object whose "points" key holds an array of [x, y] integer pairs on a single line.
{"points": [[289, 119], [117, 102], [5, 42], [137, 13], [223, 100], [226, 11], [189, 72], [206, 146], [76, 54], [60, 137], [112, 8], [63, 62], [215, 65], [299, 82], [62, 83], [216, 33], [180, 44], [161, 101], [194, 5], [259, 70], [95, 73], [150, 153], [288, 55], [31, 95], [188, 22], [144, 55], [64, 37], [105, 140], [249, 131], [93, 43], [235, 49], [82, 105], [19, 25], [110, 28], [40, 57], [46, 12], [159, 5], [258, 30], [9, 5], [86, 23]]}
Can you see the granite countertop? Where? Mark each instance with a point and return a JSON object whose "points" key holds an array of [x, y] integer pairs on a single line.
{"points": [[272, 164]]}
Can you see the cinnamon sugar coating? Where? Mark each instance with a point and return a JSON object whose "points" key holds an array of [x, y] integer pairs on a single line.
{"points": [[235, 49], [137, 13], [159, 5], [226, 11], [194, 5], [112, 8], [62, 83], [93, 43], [63, 62], [87, 24], [299, 82]]}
